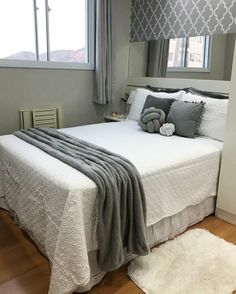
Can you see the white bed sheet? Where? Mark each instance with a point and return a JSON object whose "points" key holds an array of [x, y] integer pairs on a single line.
{"points": [[57, 204]]}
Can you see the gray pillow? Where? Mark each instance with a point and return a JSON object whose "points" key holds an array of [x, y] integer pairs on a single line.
{"points": [[208, 94], [159, 103], [185, 116], [159, 89]]}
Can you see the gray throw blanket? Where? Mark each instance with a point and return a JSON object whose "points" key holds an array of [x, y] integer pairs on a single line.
{"points": [[121, 199]]}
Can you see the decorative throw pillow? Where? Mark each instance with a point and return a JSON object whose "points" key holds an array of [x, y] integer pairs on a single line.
{"points": [[185, 116], [131, 97], [167, 130], [141, 96], [152, 119], [213, 119], [159, 103]]}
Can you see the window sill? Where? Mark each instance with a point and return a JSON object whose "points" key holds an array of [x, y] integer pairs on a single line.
{"points": [[45, 65], [189, 69]]}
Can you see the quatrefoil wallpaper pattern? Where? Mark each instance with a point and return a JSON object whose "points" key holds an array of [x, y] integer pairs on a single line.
{"points": [[164, 19]]}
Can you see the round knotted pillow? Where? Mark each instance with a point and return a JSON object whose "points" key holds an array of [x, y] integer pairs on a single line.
{"points": [[152, 119], [167, 129]]}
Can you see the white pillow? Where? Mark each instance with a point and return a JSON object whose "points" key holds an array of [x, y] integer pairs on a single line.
{"points": [[140, 97], [213, 118], [131, 97]]}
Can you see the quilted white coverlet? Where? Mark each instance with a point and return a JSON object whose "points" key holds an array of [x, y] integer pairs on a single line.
{"points": [[56, 204]]}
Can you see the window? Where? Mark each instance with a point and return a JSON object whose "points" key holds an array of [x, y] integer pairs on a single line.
{"points": [[47, 33], [191, 54]]}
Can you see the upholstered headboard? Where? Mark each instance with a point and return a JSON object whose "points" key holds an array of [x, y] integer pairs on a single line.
{"points": [[221, 87]]}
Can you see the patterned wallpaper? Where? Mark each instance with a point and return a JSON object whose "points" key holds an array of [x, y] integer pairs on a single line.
{"points": [[158, 19]]}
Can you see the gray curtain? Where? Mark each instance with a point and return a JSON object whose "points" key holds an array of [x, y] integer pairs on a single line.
{"points": [[103, 61], [158, 58]]}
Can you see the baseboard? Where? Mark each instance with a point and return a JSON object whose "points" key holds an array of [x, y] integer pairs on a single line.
{"points": [[227, 216]]}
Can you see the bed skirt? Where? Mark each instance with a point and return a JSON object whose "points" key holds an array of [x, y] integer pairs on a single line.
{"points": [[3, 202], [158, 233]]}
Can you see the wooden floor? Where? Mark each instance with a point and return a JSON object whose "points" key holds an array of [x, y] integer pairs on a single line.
{"points": [[23, 270]]}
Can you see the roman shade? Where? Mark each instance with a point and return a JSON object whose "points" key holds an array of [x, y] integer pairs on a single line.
{"points": [[166, 19]]}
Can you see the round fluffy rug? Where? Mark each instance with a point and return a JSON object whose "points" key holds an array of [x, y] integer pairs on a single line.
{"points": [[196, 262]]}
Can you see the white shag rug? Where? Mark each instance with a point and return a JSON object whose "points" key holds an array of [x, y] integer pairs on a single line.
{"points": [[196, 262]]}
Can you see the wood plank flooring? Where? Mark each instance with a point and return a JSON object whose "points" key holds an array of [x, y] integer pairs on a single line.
{"points": [[23, 270]]}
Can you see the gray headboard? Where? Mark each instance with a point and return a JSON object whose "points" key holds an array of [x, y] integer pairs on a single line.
{"points": [[221, 87]]}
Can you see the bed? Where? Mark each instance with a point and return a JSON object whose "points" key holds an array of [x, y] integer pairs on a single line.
{"points": [[56, 204]]}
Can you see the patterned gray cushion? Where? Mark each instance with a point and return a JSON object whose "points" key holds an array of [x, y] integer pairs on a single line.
{"points": [[152, 119]]}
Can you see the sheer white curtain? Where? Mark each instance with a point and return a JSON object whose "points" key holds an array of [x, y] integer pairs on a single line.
{"points": [[103, 47]]}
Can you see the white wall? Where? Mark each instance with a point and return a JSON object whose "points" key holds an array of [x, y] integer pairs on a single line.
{"points": [[227, 185], [229, 54], [38, 87]]}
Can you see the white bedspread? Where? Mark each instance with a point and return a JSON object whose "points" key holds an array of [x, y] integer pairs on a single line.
{"points": [[57, 204]]}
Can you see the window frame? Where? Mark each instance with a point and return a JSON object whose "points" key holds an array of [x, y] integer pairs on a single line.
{"points": [[207, 59], [90, 47]]}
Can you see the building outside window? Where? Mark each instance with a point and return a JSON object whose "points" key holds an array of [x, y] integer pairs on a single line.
{"points": [[189, 54]]}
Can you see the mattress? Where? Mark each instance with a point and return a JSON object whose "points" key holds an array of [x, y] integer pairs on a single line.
{"points": [[57, 204]]}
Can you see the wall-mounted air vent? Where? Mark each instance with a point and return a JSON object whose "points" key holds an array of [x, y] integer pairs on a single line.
{"points": [[52, 117], [46, 118]]}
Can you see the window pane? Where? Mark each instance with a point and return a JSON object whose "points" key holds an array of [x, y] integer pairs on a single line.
{"points": [[17, 31], [41, 26], [176, 52], [67, 26], [196, 52]]}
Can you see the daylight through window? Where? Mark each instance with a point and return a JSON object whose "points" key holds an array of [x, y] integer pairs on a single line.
{"points": [[189, 53], [46, 31]]}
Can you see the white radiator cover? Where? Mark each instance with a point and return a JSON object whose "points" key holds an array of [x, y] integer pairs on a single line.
{"points": [[50, 117]]}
